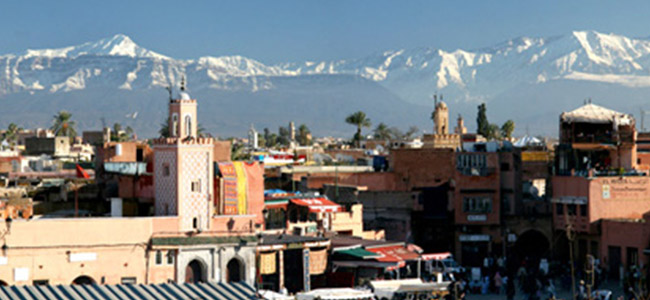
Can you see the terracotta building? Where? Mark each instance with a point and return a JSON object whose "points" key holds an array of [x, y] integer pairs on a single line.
{"points": [[600, 192]]}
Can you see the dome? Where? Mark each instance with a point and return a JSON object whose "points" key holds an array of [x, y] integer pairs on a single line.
{"points": [[184, 96], [442, 104]]}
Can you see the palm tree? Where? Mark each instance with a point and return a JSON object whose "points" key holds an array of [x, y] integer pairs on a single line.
{"points": [[359, 120], [164, 128], [382, 132], [304, 135], [62, 125], [11, 135]]}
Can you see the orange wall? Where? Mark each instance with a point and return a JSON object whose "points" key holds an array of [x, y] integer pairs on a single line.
{"points": [[422, 167], [479, 186]]}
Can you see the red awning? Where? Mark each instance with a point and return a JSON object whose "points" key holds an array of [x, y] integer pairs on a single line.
{"points": [[396, 253], [317, 205], [436, 256]]}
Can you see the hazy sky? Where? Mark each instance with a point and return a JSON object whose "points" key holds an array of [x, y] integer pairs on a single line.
{"points": [[276, 31]]}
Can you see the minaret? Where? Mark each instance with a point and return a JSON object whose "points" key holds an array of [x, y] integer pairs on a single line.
{"points": [[460, 126], [292, 131], [183, 167], [182, 115], [441, 117], [253, 138]]}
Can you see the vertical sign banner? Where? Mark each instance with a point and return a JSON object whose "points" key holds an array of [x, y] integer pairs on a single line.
{"points": [[241, 187], [229, 188], [305, 270]]}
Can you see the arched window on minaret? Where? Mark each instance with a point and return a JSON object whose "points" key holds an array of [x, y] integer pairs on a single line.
{"points": [[188, 125], [174, 129]]}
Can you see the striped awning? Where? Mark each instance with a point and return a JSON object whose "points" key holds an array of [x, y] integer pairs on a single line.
{"points": [[167, 291]]}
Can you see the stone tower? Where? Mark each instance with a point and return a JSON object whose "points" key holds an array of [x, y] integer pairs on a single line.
{"points": [[441, 118], [253, 138], [460, 126], [292, 131], [183, 168]]}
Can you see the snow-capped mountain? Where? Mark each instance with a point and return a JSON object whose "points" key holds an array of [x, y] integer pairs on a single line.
{"points": [[511, 69]]}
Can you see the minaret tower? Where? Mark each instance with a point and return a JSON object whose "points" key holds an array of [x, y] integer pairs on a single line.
{"points": [[183, 167], [440, 117]]}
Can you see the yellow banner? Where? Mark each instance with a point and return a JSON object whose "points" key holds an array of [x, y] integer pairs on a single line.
{"points": [[317, 262], [267, 263], [241, 187], [535, 156]]}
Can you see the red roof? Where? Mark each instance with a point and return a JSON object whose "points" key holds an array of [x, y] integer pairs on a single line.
{"points": [[317, 204], [395, 253], [436, 256]]}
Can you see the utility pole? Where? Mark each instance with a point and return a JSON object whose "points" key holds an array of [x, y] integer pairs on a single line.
{"points": [[570, 234]]}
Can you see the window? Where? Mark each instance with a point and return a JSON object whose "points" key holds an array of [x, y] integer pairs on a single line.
{"points": [[571, 209], [559, 209], [174, 129], [165, 169], [170, 257], [196, 186], [41, 282], [188, 125], [477, 205], [583, 210], [128, 280], [158, 257], [195, 223], [505, 166]]}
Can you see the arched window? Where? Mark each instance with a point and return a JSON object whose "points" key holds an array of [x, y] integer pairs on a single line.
{"points": [[174, 129], [188, 125]]}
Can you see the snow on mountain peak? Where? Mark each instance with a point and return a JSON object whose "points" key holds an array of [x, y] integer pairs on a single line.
{"points": [[117, 45]]}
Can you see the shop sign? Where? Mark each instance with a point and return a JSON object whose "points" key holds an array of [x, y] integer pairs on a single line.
{"points": [[477, 218], [474, 238]]}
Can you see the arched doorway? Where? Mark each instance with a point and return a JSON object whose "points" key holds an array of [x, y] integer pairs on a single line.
{"points": [[235, 271], [3, 283], [194, 272], [83, 279], [531, 246]]}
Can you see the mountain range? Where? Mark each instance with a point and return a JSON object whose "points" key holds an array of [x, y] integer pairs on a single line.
{"points": [[529, 80]]}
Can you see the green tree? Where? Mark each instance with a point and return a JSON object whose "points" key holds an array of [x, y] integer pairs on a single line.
{"points": [[284, 136], [360, 120], [62, 124], [119, 135], [482, 124], [493, 132], [237, 150], [164, 128], [507, 128], [11, 135], [382, 132], [304, 135], [200, 131]]}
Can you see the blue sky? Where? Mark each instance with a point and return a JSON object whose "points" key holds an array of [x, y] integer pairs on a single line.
{"points": [[278, 31]]}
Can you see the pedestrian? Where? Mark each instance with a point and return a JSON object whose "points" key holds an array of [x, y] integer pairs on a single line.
{"points": [[498, 282], [582, 291]]}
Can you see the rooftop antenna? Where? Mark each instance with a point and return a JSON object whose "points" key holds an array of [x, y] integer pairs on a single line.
{"points": [[440, 97], [435, 100]]}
